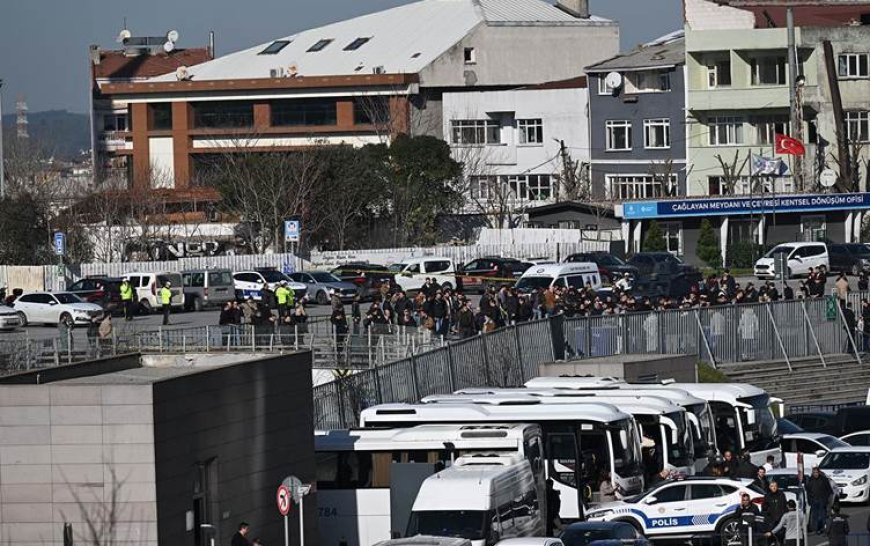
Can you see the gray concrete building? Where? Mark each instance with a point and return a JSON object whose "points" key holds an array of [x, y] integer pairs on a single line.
{"points": [[173, 449]]}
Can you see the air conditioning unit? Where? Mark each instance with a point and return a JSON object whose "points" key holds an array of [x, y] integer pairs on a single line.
{"points": [[379, 70], [276, 72]]}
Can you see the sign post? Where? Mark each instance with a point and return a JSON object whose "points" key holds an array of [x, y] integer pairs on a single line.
{"points": [[60, 251], [298, 490], [283, 497]]}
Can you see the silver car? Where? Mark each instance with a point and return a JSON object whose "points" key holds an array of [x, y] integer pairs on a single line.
{"points": [[322, 284], [9, 319]]}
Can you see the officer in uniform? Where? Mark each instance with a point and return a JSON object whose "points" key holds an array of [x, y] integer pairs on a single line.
{"points": [[166, 301], [127, 299], [282, 295]]}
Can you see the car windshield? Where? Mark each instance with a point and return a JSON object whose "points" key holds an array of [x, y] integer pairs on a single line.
{"points": [[322, 276], [583, 536], [607, 259], [66, 297], [830, 442], [787, 427], [397, 268], [779, 250], [845, 461], [530, 283], [470, 524], [274, 276]]}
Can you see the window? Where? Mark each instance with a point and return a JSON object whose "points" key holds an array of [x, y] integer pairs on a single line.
{"points": [[469, 56], [644, 186], [675, 493], [853, 65], [223, 114], [744, 185], [371, 110], [766, 128], [437, 266], [725, 131], [719, 74], [768, 70], [275, 47], [618, 137], [648, 81], [356, 44], [320, 45], [603, 88], [657, 133], [475, 132], [813, 228], [858, 126], [161, 116], [115, 122], [531, 131], [540, 187], [299, 112], [673, 235], [220, 278], [527, 187], [700, 491], [482, 187]]}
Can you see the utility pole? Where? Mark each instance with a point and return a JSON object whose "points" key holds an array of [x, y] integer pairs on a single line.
{"points": [[795, 106], [2, 158], [567, 170]]}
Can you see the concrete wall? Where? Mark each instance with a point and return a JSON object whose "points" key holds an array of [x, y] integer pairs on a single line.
{"points": [[65, 450], [250, 425]]}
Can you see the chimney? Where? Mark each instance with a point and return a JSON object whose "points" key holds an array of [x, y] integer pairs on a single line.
{"points": [[94, 52], [211, 44], [577, 8]]}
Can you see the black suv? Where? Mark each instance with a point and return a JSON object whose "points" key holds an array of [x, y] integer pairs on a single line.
{"points": [[850, 258], [483, 273], [368, 277], [610, 266]]}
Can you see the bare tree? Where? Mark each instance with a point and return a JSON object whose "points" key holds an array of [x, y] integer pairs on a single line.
{"points": [[731, 173]]}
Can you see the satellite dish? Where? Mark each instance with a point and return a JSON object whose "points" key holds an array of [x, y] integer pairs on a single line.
{"points": [[613, 80], [124, 35], [169, 47], [827, 178], [182, 73], [172, 36]]}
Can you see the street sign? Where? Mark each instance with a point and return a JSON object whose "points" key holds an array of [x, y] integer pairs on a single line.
{"points": [[59, 243], [283, 498], [830, 308], [291, 230], [827, 178]]}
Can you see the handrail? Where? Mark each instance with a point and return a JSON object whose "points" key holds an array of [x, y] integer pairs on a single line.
{"points": [[848, 333], [778, 337], [813, 334], [704, 338]]}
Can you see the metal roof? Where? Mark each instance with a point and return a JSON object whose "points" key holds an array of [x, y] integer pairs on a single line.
{"points": [[669, 50], [404, 39]]}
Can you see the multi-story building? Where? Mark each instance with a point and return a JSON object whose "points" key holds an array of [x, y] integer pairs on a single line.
{"points": [[637, 122], [359, 81], [738, 98]]}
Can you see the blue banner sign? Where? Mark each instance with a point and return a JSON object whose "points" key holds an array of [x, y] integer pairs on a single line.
{"points": [[640, 210]]}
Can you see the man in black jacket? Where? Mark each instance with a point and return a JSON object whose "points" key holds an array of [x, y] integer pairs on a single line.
{"points": [[241, 536], [747, 515], [819, 491], [775, 504]]}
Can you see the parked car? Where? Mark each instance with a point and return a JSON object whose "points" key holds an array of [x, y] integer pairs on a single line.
{"points": [[800, 258], [411, 273], [661, 264], [250, 283], [368, 277], [320, 285], [104, 291], [860, 438], [611, 267], [845, 420], [850, 257], [481, 274], [576, 275], [602, 533], [812, 445], [9, 319], [55, 308], [207, 288], [530, 541], [787, 426], [850, 469], [146, 289]]}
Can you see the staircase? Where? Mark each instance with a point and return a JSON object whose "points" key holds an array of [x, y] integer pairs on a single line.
{"points": [[809, 382]]}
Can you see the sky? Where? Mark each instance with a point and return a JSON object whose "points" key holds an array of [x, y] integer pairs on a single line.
{"points": [[44, 43]]}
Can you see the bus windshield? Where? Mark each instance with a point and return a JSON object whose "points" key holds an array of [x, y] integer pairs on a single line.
{"points": [[681, 453], [626, 459], [763, 433], [708, 432]]}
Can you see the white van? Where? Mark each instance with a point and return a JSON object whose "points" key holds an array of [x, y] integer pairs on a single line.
{"points": [[146, 288], [801, 257], [481, 498], [411, 273], [577, 275]]}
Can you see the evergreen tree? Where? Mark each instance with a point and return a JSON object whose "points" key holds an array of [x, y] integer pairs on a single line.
{"points": [[654, 240], [708, 245]]}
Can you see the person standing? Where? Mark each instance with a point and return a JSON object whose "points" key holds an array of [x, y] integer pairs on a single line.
{"points": [[842, 286], [241, 536], [105, 331], [788, 528], [774, 505], [127, 299], [838, 528], [166, 301], [282, 295], [819, 491]]}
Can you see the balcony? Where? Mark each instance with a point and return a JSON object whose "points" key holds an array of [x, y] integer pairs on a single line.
{"points": [[115, 141]]}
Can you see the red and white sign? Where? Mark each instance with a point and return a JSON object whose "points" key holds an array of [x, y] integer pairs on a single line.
{"points": [[284, 499]]}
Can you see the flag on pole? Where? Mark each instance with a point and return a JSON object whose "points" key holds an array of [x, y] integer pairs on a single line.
{"points": [[784, 144], [766, 166]]}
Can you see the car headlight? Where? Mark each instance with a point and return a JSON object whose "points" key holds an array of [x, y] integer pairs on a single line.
{"points": [[80, 312], [860, 481], [600, 514]]}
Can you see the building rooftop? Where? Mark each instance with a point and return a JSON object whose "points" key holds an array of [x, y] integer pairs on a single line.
{"points": [[401, 40], [669, 50], [116, 65]]}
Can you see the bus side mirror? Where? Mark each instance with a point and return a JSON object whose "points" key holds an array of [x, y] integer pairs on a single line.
{"points": [[623, 437]]}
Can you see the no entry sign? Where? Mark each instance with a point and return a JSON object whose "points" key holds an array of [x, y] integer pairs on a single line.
{"points": [[284, 498]]}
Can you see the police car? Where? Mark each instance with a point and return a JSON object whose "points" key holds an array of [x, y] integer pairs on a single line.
{"points": [[249, 283], [682, 508]]}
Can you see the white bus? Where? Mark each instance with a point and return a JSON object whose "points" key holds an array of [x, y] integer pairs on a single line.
{"points": [[581, 441], [355, 488], [700, 416], [662, 423]]}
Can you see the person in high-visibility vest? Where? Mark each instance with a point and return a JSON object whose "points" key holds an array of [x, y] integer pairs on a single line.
{"points": [[282, 295], [166, 300], [127, 299]]}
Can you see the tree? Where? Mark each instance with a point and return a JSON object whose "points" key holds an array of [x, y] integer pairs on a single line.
{"points": [[731, 173], [654, 240], [24, 233], [708, 245]]}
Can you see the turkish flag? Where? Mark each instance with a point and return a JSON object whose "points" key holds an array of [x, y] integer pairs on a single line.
{"points": [[784, 144]]}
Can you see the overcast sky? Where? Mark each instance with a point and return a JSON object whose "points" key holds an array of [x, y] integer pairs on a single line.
{"points": [[44, 43]]}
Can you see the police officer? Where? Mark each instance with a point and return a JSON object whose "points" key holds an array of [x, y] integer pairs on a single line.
{"points": [[282, 294], [127, 299], [166, 301], [838, 527]]}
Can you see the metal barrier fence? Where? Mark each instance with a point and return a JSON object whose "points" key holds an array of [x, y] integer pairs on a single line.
{"points": [[503, 358]]}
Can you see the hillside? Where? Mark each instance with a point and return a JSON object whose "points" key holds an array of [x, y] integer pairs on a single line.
{"points": [[64, 133]]}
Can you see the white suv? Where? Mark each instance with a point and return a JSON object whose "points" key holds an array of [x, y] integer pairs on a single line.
{"points": [[800, 257], [55, 308], [682, 508], [250, 283], [850, 469], [146, 289]]}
